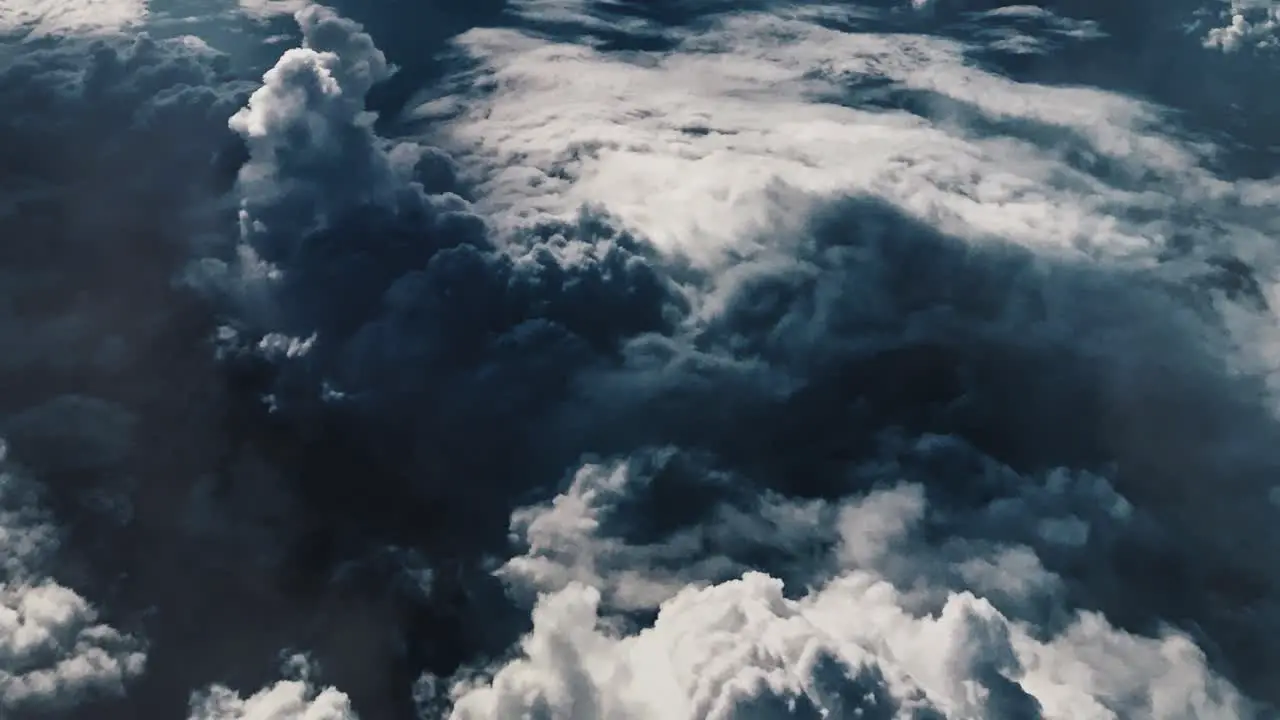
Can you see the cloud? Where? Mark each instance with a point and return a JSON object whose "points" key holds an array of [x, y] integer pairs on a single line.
{"points": [[72, 432], [1029, 29], [272, 8], [363, 243], [293, 699], [895, 236], [726, 147], [117, 161], [41, 18], [1251, 23], [110, 146], [573, 539], [803, 339], [742, 647], [959, 519], [756, 101], [55, 652], [857, 642]]}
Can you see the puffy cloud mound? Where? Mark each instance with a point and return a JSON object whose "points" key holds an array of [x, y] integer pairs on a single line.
{"points": [[743, 649], [895, 626], [312, 151], [292, 699], [400, 306], [117, 158], [40, 18], [54, 651]]}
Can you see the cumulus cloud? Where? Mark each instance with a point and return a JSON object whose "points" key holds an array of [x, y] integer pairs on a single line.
{"points": [[848, 192], [744, 649], [1250, 24], [117, 159], [54, 651], [71, 431], [757, 100], [1016, 539], [308, 101], [1029, 29], [292, 699], [39, 18], [727, 146], [857, 643]]}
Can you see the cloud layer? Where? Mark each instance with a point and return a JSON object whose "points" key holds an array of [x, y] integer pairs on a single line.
{"points": [[54, 651], [898, 626], [587, 359]]}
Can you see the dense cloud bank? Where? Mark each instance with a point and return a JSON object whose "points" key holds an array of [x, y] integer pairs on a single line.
{"points": [[1250, 24], [580, 359], [903, 628]]}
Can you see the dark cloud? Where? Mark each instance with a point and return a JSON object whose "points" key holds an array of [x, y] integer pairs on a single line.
{"points": [[328, 418], [371, 328], [970, 358]]}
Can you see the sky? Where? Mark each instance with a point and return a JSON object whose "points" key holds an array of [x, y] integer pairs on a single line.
{"points": [[669, 360]]}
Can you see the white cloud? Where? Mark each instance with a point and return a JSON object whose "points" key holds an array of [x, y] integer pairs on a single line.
{"points": [[71, 432], [588, 15], [54, 652], [1028, 29], [1249, 23], [295, 698], [856, 644], [719, 147], [568, 540], [688, 147], [36, 18], [271, 8]]}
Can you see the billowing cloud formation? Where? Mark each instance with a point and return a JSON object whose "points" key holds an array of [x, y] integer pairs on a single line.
{"points": [[742, 649], [54, 651], [885, 363], [900, 627], [110, 149], [1251, 23], [395, 295], [917, 242], [1029, 30], [292, 699], [74, 172]]}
